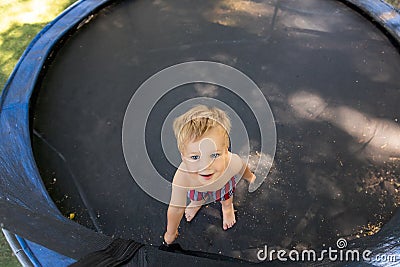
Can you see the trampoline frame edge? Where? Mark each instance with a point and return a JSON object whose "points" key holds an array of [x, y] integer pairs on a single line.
{"points": [[375, 10]]}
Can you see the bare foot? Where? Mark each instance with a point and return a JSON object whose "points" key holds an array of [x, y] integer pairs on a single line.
{"points": [[228, 214], [192, 209]]}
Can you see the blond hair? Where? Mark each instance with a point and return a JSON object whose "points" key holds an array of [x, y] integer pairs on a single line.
{"points": [[197, 121]]}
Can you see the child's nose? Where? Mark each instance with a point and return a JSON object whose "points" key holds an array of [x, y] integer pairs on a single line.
{"points": [[205, 162], [205, 146]]}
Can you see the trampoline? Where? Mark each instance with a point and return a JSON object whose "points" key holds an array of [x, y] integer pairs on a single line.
{"points": [[328, 69]]}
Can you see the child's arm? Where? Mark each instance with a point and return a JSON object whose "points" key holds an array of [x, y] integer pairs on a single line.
{"points": [[244, 168], [174, 216], [247, 174], [176, 207]]}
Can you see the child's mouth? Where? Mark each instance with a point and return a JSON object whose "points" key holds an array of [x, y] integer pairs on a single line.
{"points": [[207, 176]]}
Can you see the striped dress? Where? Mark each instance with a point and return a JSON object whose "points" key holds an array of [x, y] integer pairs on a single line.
{"points": [[220, 195]]}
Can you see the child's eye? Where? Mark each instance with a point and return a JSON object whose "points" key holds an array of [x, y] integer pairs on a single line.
{"points": [[215, 155], [195, 157]]}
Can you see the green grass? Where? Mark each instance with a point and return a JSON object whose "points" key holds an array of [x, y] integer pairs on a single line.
{"points": [[395, 3], [6, 256], [20, 21]]}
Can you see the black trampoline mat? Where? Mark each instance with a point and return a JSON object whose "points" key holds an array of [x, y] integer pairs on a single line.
{"points": [[335, 172]]}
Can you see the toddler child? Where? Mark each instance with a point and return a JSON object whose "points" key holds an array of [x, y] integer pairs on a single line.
{"points": [[207, 171]]}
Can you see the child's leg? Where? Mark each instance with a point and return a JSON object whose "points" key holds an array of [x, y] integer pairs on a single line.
{"points": [[228, 213], [192, 209]]}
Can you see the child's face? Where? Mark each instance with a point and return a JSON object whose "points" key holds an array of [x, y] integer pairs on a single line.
{"points": [[207, 157]]}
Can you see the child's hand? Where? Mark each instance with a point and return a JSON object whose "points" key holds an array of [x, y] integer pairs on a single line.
{"points": [[250, 177], [169, 238], [253, 178]]}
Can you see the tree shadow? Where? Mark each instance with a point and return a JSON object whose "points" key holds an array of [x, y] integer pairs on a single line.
{"points": [[321, 186], [325, 183]]}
